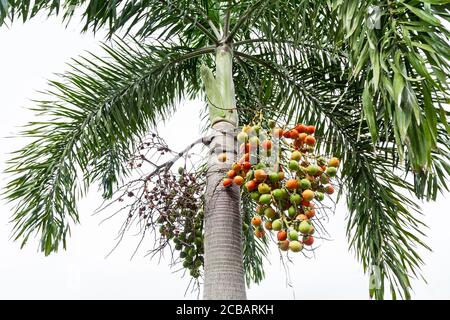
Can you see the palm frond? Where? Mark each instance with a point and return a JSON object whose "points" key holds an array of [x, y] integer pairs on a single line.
{"points": [[91, 116]]}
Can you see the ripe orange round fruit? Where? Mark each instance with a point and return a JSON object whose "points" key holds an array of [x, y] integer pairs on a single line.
{"points": [[268, 225], [251, 185], [227, 182], [256, 221], [293, 134], [246, 166], [287, 134], [267, 144], [310, 213], [231, 174], [302, 136], [222, 157], [333, 162], [301, 128], [301, 217], [292, 184], [281, 235], [307, 195], [310, 140], [260, 175], [329, 189], [237, 167], [310, 129], [238, 180], [277, 132]]}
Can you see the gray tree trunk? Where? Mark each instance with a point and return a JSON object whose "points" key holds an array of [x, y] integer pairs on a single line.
{"points": [[224, 272]]}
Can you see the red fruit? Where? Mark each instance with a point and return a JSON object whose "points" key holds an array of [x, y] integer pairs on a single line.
{"points": [[267, 144], [256, 221], [246, 166], [238, 180], [308, 240], [287, 134], [251, 185], [231, 174], [227, 182], [310, 129], [329, 189], [294, 134], [301, 128], [292, 184], [305, 203], [310, 140], [260, 175], [281, 235], [277, 132]]}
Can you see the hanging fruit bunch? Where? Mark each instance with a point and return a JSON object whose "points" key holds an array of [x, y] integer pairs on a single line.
{"points": [[285, 178]]}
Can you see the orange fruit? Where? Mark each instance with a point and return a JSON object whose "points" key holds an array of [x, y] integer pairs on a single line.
{"points": [[301, 128], [256, 221], [308, 195], [260, 175], [310, 140], [246, 166], [310, 129], [260, 233], [227, 182], [236, 167], [310, 213], [293, 134], [281, 235], [267, 144], [231, 174], [238, 180], [333, 162], [251, 185], [292, 184], [302, 136], [329, 189]]}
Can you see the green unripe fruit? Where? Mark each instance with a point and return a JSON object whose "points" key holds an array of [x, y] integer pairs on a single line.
{"points": [[270, 212], [320, 196], [176, 240], [305, 184], [178, 246], [183, 254], [186, 263], [312, 169], [271, 124], [324, 179], [265, 199], [249, 175], [331, 171], [273, 177], [257, 129], [244, 227], [198, 263], [191, 252], [295, 198], [293, 165], [198, 241], [277, 225], [255, 195], [304, 227], [260, 166], [296, 155], [198, 233], [295, 246], [293, 235], [242, 137], [278, 194], [292, 212], [280, 175], [180, 170], [194, 273], [263, 188]]}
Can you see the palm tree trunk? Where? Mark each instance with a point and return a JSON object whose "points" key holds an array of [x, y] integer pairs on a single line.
{"points": [[224, 272]]}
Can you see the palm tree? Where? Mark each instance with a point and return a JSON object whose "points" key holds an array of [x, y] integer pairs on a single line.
{"points": [[372, 75]]}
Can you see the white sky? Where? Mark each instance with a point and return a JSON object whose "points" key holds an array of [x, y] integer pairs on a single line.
{"points": [[29, 55]]}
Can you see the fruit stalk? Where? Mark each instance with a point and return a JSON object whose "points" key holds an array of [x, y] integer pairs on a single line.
{"points": [[224, 272]]}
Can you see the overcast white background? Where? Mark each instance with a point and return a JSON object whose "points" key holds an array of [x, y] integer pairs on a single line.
{"points": [[29, 55]]}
